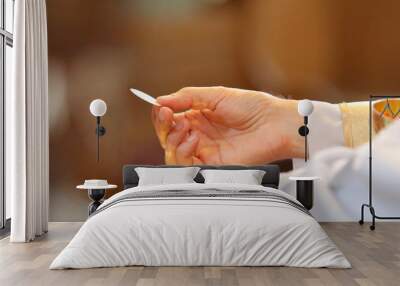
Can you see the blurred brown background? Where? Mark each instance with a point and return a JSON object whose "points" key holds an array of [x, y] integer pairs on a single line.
{"points": [[331, 50]]}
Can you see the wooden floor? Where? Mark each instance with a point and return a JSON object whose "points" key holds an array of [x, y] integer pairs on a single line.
{"points": [[375, 257]]}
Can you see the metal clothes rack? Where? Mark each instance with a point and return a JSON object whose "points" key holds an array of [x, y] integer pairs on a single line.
{"points": [[370, 202]]}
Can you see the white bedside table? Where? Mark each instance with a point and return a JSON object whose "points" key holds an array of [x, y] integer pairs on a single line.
{"points": [[96, 191], [305, 190]]}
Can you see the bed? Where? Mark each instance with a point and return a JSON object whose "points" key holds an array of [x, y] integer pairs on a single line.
{"points": [[198, 224]]}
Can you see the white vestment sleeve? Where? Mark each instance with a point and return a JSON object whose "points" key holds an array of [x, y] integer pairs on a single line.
{"points": [[344, 174], [326, 130]]}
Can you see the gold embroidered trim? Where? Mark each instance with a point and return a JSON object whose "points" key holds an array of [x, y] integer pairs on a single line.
{"points": [[355, 123], [346, 122]]}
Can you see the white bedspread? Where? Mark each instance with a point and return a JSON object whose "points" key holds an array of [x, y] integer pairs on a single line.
{"points": [[200, 231]]}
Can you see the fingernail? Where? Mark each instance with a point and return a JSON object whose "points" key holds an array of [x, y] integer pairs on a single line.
{"points": [[192, 137], [179, 125], [161, 116], [163, 97]]}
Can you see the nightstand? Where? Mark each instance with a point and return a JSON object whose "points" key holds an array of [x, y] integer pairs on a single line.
{"points": [[305, 190], [96, 191]]}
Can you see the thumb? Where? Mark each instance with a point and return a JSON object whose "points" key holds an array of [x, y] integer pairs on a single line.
{"points": [[193, 98]]}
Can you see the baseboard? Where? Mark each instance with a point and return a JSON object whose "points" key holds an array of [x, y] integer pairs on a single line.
{"points": [[5, 231]]}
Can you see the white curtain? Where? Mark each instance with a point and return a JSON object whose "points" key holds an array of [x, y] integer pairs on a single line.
{"points": [[27, 124]]}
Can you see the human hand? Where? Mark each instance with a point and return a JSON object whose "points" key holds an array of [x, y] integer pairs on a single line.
{"points": [[219, 126]]}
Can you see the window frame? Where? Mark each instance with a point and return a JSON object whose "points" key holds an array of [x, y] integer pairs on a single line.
{"points": [[6, 39]]}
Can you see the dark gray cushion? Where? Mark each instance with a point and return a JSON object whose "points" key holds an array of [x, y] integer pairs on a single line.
{"points": [[270, 179]]}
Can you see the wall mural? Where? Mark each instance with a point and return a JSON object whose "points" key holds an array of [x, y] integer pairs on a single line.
{"points": [[100, 49]]}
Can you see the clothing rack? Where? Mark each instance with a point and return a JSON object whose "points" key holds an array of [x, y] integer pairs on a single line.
{"points": [[370, 188]]}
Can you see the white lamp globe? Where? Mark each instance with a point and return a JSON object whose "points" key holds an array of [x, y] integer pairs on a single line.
{"points": [[98, 107], [305, 107]]}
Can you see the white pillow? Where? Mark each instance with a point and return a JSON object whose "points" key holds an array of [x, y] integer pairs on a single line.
{"points": [[248, 177], [163, 176]]}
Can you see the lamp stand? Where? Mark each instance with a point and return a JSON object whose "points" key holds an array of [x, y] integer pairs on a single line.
{"points": [[100, 131], [303, 131]]}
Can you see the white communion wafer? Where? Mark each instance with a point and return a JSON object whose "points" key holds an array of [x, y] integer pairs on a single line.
{"points": [[145, 96]]}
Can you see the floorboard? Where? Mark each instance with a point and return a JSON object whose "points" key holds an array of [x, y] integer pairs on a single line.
{"points": [[375, 257]]}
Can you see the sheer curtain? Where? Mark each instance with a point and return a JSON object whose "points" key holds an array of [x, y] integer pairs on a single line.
{"points": [[27, 124]]}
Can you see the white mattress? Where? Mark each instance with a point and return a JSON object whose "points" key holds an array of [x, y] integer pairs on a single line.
{"points": [[200, 231]]}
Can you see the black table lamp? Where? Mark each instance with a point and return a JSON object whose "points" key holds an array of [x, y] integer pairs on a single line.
{"points": [[305, 108], [98, 108]]}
